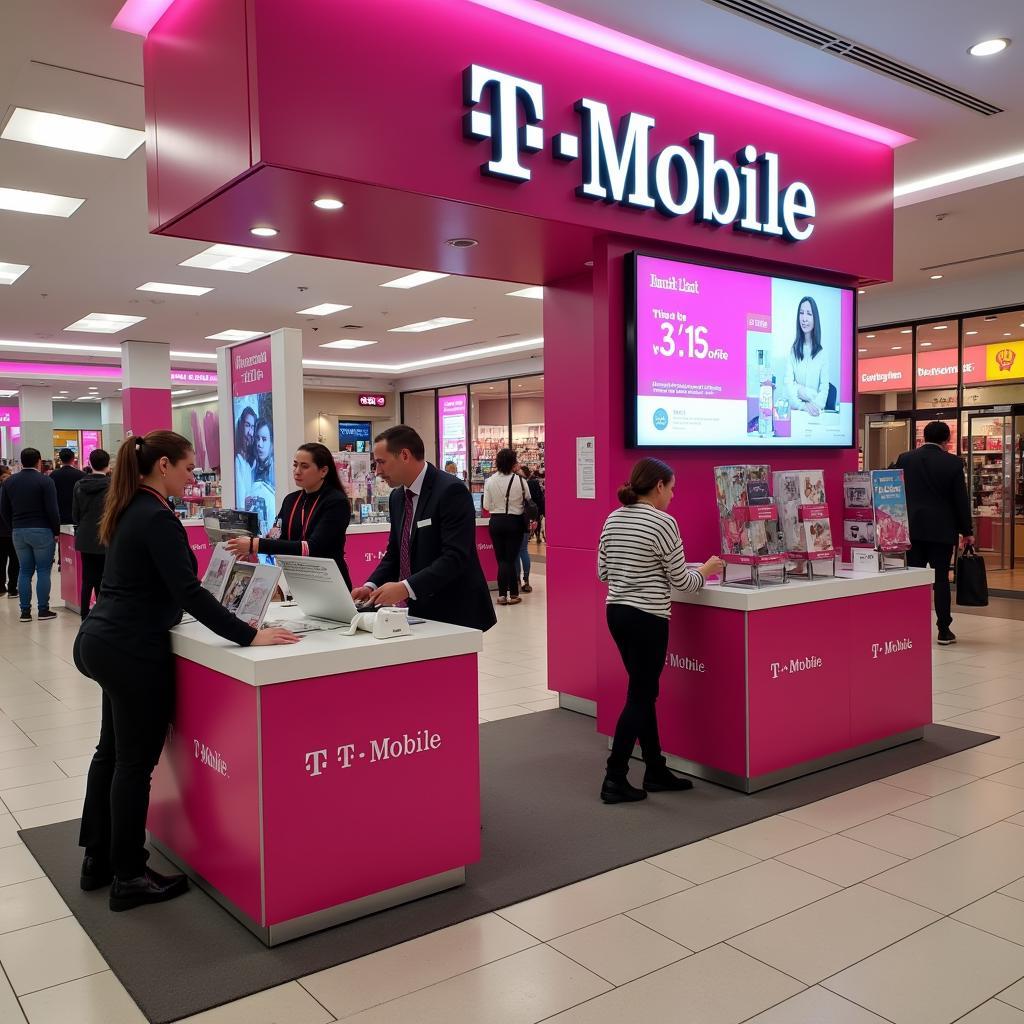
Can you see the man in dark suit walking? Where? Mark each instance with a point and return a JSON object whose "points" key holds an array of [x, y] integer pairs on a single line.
{"points": [[431, 560], [939, 512]]}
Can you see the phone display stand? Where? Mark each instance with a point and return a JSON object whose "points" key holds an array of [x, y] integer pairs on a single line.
{"points": [[754, 571], [812, 565], [892, 561]]}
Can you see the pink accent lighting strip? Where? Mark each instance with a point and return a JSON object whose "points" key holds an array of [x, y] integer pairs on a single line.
{"points": [[139, 16]]}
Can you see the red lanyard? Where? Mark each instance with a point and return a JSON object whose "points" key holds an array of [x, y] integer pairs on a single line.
{"points": [[304, 519], [156, 494]]}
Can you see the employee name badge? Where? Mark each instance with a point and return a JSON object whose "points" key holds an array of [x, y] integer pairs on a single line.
{"points": [[422, 523]]}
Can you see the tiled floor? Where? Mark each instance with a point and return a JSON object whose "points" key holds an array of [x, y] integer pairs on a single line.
{"points": [[901, 901]]}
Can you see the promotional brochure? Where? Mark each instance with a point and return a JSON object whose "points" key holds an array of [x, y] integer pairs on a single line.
{"points": [[747, 517], [244, 588], [728, 358], [875, 510], [803, 512]]}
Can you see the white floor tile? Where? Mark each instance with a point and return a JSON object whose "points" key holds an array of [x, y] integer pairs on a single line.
{"points": [[770, 836], [43, 793], [1010, 776], [934, 976], [986, 721], [90, 730], [966, 809], [285, 1004], [497, 714], [9, 830], [718, 986], [505, 698], [1014, 995], [48, 954], [28, 775], [55, 719], [815, 942], [25, 904], [899, 836], [72, 766], [398, 970], [854, 807], [993, 1012], [996, 914], [10, 1010], [929, 780], [976, 762], [18, 865], [841, 860], [700, 862], [33, 817], [717, 910], [587, 902], [817, 1006], [97, 999]]}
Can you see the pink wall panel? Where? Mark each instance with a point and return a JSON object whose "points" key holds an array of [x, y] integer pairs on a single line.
{"points": [[146, 409]]}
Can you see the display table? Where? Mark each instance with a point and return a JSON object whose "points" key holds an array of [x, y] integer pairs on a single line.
{"points": [[761, 686], [306, 785], [365, 544], [70, 570], [199, 543]]}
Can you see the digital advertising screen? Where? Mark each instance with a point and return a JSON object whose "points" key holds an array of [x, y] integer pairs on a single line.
{"points": [[726, 358], [354, 435]]}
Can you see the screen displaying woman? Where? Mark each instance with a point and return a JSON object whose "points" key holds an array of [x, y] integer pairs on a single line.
{"points": [[807, 376]]}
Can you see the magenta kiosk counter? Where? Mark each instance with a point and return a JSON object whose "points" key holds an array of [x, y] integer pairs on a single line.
{"points": [[306, 785], [70, 570], [763, 686], [365, 544]]}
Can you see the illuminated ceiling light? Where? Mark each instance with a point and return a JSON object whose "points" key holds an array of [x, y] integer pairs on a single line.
{"points": [[104, 323], [862, 350], [528, 293], [65, 392], [907, 331], [61, 132], [235, 335], [1007, 334], [860, 291], [988, 47], [959, 174], [414, 280], [324, 309], [11, 394], [60, 346], [18, 200], [10, 272], [926, 344], [212, 356], [235, 259], [348, 343], [975, 332], [196, 401], [936, 277], [941, 327], [172, 289], [139, 16], [416, 364], [868, 335], [263, 232], [182, 391], [429, 325], [328, 204], [897, 348]]}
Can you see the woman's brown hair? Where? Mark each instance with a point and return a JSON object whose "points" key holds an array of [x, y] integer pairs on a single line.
{"points": [[646, 475], [135, 459]]}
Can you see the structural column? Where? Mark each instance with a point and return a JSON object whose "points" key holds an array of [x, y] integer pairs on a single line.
{"points": [[36, 420], [146, 395], [112, 423]]}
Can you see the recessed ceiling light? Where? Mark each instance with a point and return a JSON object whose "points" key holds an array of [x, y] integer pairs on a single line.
{"points": [[92, 387], [862, 350], [104, 323], [11, 394], [926, 344], [194, 355], [417, 364], [182, 391], [461, 243], [87, 398], [988, 47], [429, 325], [65, 392], [18, 200], [1007, 334], [988, 319], [10, 272], [235, 259], [60, 346], [60, 132], [328, 204], [897, 348], [972, 332], [414, 280], [941, 327], [860, 291], [528, 293], [960, 174], [348, 343], [907, 331], [324, 309], [235, 335], [172, 289], [936, 277], [263, 232], [868, 335]]}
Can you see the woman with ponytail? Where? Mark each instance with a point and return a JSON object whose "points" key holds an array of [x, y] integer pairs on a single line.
{"points": [[124, 645], [640, 557]]}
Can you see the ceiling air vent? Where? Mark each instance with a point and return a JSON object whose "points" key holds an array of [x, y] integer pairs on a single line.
{"points": [[351, 327], [829, 42]]}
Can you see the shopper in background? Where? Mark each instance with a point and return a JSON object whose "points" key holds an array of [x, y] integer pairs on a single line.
{"points": [[505, 496], [535, 482], [640, 557], [8, 557], [313, 520], [86, 511], [124, 645], [939, 512], [28, 504], [523, 557], [65, 479], [431, 559]]}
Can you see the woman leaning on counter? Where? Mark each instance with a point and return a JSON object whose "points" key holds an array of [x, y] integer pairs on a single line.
{"points": [[124, 645], [312, 520]]}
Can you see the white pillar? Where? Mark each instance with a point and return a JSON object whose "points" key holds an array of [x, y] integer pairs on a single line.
{"points": [[112, 424], [146, 394], [36, 419]]}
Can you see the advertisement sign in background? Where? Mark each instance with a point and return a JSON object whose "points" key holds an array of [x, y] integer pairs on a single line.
{"points": [[252, 409], [354, 435], [452, 419]]}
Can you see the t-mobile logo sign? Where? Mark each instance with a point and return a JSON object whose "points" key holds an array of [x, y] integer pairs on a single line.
{"points": [[619, 166]]}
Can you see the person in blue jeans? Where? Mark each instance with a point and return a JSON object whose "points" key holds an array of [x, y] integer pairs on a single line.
{"points": [[523, 564], [28, 505]]}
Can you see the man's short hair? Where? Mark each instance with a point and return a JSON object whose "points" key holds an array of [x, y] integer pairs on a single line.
{"points": [[99, 459], [936, 432], [30, 457], [402, 436], [66, 455]]}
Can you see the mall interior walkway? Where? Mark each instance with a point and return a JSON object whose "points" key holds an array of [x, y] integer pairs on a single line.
{"points": [[922, 923]]}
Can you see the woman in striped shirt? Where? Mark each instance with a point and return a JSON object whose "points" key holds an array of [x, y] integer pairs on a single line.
{"points": [[640, 557]]}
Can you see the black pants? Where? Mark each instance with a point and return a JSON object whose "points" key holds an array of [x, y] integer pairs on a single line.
{"points": [[507, 538], [138, 701], [92, 577], [923, 553], [642, 640], [9, 566]]}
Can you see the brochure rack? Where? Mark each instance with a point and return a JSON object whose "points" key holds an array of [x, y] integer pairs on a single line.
{"points": [[813, 564], [755, 564]]}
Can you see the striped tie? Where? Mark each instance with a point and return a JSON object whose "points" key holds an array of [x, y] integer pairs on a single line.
{"points": [[404, 558]]}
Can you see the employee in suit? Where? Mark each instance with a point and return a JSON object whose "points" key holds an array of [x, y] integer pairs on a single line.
{"points": [[939, 512], [431, 560], [65, 479], [124, 645], [313, 520]]}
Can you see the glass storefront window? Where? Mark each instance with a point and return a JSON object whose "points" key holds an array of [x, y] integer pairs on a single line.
{"points": [[528, 420], [453, 429], [418, 412], [884, 394], [489, 420], [996, 342]]}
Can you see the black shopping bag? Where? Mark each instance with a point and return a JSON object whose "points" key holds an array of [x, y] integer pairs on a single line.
{"points": [[971, 581]]}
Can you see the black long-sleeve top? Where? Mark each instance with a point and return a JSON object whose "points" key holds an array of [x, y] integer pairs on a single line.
{"points": [[149, 580], [28, 501], [313, 525]]}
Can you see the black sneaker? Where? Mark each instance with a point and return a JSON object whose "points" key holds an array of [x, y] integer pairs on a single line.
{"points": [[663, 781], [614, 792], [48, 614], [946, 636], [26, 617]]}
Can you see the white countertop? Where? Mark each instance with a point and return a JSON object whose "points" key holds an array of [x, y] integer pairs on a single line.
{"points": [[386, 527], [798, 591], [323, 653], [68, 529]]}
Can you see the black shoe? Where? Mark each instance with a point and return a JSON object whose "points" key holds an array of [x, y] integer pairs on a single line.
{"points": [[613, 792], [128, 893], [946, 636], [25, 617], [95, 875], [526, 588], [664, 781], [48, 614]]}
